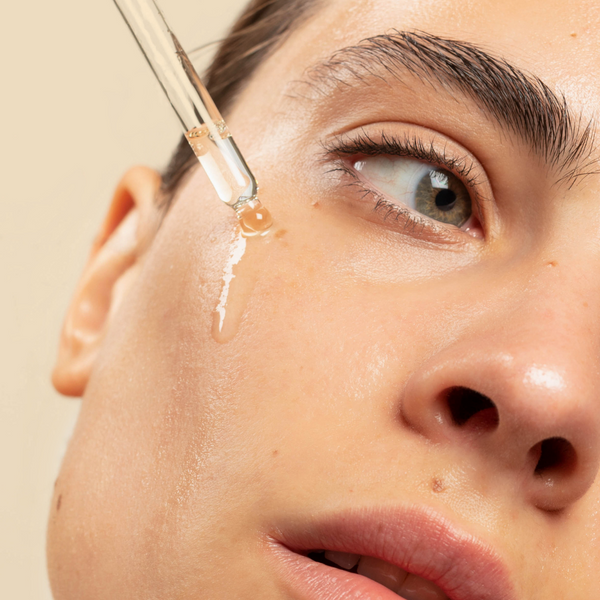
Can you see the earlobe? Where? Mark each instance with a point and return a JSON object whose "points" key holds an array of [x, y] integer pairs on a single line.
{"points": [[128, 229]]}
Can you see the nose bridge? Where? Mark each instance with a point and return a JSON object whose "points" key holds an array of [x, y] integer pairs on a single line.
{"points": [[521, 387]]}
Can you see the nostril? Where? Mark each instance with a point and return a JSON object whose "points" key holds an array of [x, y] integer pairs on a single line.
{"points": [[470, 408], [556, 456]]}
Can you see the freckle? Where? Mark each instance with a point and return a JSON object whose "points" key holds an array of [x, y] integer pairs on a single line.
{"points": [[585, 304], [573, 34], [437, 485], [280, 233], [275, 452], [58, 503]]}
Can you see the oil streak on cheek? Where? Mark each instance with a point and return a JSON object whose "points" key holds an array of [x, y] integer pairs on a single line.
{"points": [[239, 278]]}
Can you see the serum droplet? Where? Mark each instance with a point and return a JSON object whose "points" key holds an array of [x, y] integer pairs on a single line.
{"points": [[254, 218]]}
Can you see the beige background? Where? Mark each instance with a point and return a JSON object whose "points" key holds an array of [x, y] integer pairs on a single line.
{"points": [[78, 106]]}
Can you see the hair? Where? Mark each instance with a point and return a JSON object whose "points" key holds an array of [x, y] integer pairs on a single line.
{"points": [[260, 29]]}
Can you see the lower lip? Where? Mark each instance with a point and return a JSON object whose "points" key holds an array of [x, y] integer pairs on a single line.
{"points": [[310, 580]]}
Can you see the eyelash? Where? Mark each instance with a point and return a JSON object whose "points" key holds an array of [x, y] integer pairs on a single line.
{"points": [[409, 147]]}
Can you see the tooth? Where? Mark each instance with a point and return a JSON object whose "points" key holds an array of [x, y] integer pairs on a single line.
{"points": [[417, 588], [342, 559], [382, 572]]}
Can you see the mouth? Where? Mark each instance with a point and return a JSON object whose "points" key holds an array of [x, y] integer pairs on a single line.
{"points": [[385, 554], [406, 585]]}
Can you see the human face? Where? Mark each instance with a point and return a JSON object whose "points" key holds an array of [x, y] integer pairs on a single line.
{"points": [[420, 392]]}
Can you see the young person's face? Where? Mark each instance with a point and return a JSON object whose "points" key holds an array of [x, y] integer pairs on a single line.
{"points": [[421, 392]]}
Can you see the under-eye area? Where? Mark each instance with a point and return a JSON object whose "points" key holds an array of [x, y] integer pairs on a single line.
{"points": [[406, 585]]}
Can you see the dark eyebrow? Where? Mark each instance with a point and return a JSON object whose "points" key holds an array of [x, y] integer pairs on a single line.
{"points": [[518, 101]]}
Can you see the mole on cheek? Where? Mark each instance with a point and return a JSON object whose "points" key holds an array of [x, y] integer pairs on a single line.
{"points": [[437, 485]]}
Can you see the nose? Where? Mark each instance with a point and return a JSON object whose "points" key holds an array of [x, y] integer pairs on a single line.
{"points": [[526, 402]]}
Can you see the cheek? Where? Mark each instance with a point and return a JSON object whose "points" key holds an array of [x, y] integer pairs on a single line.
{"points": [[318, 349], [183, 442], [149, 426]]}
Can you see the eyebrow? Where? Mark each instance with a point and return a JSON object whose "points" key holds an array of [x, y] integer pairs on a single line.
{"points": [[519, 102]]}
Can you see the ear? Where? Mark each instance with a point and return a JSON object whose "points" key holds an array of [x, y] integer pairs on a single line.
{"points": [[128, 229]]}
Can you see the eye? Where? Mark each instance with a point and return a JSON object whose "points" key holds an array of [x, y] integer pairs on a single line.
{"points": [[425, 188], [415, 180]]}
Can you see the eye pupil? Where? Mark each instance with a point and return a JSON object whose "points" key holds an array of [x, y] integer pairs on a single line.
{"points": [[445, 199]]}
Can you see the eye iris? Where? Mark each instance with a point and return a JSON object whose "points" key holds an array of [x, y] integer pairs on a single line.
{"points": [[441, 196]]}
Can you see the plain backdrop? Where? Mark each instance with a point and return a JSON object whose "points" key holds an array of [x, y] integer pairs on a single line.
{"points": [[79, 106]]}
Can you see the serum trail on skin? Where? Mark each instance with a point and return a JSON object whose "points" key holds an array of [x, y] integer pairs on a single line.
{"points": [[239, 278]]}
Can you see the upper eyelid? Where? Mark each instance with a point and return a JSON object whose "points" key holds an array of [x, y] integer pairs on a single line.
{"points": [[411, 146]]}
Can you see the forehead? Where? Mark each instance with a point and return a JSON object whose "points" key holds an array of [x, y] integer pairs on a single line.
{"points": [[556, 40]]}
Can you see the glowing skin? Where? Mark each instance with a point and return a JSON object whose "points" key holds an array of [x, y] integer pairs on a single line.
{"points": [[189, 454]]}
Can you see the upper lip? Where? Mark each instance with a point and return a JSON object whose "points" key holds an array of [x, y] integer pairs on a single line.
{"points": [[416, 539]]}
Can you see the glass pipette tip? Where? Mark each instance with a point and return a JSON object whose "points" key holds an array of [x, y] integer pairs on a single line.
{"points": [[204, 127]]}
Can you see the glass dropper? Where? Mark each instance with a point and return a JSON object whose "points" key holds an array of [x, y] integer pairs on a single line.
{"points": [[204, 127]]}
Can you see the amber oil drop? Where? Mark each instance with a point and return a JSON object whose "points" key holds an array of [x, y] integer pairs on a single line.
{"points": [[254, 218]]}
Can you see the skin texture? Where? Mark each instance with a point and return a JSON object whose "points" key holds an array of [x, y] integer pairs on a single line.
{"points": [[189, 453]]}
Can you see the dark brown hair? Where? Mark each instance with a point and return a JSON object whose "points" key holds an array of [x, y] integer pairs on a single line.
{"points": [[262, 26]]}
